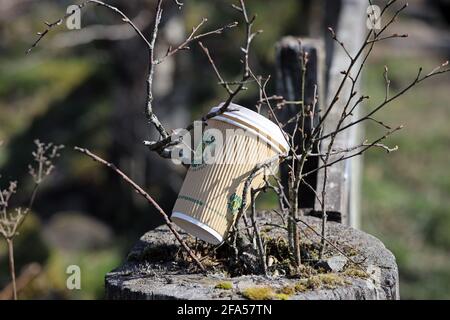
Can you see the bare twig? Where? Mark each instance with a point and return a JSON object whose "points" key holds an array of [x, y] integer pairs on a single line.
{"points": [[58, 22], [160, 145], [418, 79], [392, 36], [347, 73], [366, 147], [150, 44], [29, 273], [12, 268], [103, 32], [11, 220], [388, 82], [259, 241], [216, 71], [142, 192], [334, 37], [151, 116], [195, 37], [248, 182]]}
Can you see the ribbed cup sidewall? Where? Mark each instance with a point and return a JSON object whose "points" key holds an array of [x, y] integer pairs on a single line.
{"points": [[207, 189]]}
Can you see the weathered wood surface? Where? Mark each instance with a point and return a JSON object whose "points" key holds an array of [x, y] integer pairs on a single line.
{"points": [[347, 18], [289, 52], [326, 61], [138, 278]]}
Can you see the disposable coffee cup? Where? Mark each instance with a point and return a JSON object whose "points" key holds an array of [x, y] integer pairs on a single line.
{"points": [[233, 143]]}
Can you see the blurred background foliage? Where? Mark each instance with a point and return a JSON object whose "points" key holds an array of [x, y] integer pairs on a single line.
{"points": [[92, 95]]}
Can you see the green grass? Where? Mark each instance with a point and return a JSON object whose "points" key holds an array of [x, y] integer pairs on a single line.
{"points": [[93, 265], [28, 88], [405, 194], [51, 282]]}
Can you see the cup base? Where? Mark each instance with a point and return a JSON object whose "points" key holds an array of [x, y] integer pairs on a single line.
{"points": [[196, 228]]}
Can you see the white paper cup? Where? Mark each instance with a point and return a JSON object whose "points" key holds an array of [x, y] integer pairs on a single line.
{"points": [[210, 197]]}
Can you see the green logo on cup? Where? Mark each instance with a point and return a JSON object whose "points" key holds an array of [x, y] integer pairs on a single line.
{"points": [[208, 141], [234, 203]]}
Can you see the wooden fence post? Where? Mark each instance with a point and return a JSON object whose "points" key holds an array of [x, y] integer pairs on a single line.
{"points": [[343, 183], [289, 85], [326, 61]]}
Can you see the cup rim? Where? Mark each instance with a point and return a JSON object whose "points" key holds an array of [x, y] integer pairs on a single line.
{"points": [[265, 128], [196, 228]]}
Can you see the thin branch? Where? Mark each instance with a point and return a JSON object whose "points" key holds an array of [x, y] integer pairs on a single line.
{"points": [[29, 273], [216, 71], [142, 192], [248, 181], [151, 116], [413, 83], [194, 37], [259, 241], [392, 36], [334, 37], [366, 147], [58, 22], [353, 61], [353, 148], [387, 81], [12, 266], [158, 146], [103, 32]]}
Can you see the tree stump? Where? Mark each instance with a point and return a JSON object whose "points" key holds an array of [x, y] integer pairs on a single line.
{"points": [[141, 277]]}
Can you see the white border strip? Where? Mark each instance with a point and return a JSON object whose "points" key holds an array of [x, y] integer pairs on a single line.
{"points": [[199, 224]]}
